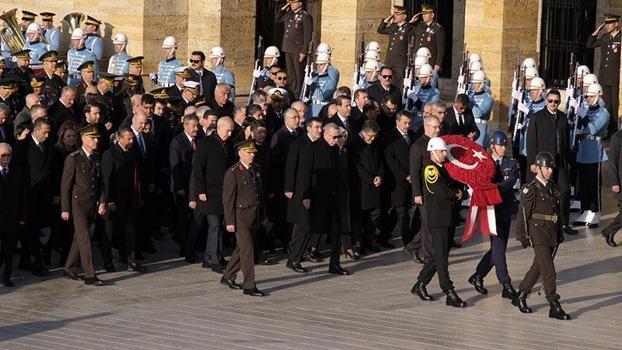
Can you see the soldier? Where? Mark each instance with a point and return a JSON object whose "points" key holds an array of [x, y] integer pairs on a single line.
{"points": [[424, 92], [34, 44], [223, 75], [27, 19], [538, 226], [87, 78], [370, 74], [399, 32], [481, 105], [323, 86], [506, 174], [591, 130], [297, 29], [77, 55], [270, 59], [439, 195], [51, 34], [609, 70], [422, 57], [80, 194], [22, 73], [135, 71], [324, 48], [118, 63], [166, 67], [429, 33], [93, 41], [534, 103], [52, 82], [8, 97]]}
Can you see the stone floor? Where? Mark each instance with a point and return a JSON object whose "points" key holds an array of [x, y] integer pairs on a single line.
{"points": [[180, 306]]}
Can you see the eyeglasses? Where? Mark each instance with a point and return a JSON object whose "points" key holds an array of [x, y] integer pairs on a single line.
{"points": [[387, 76], [337, 137], [281, 78], [195, 61], [554, 101]]}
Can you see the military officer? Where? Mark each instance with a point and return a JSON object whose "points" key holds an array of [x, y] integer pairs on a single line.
{"points": [[34, 44], [323, 85], [592, 128], [77, 55], [223, 75], [439, 195], [8, 92], [80, 193], [424, 92], [539, 227], [399, 32], [297, 30], [27, 18], [87, 77], [609, 70], [93, 41], [22, 73], [481, 105], [135, 70], [52, 82], [51, 34], [166, 67], [429, 33], [244, 211], [118, 63]]}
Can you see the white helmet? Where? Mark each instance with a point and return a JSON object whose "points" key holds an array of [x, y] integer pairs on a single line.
{"points": [[169, 42], [425, 71], [583, 70], [595, 90], [120, 39], [77, 33], [372, 55], [537, 83], [531, 72], [590, 79], [475, 66], [272, 51], [474, 57], [424, 52], [478, 77], [437, 144], [529, 62], [324, 48], [373, 46], [216, 52], [371, 66], [33, 28], [322, 58], [420, 61]]}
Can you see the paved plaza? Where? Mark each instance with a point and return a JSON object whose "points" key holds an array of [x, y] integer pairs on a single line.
{"points": [[181, 306]]}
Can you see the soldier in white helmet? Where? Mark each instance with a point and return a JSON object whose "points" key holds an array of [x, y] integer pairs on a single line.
{"points": [[424, 92], [166, 67], [51, 34], [534, 103], [77, 55], [118, 64], [481, 103], [476, 66], [370, 74], [34, 44], [324, 48], [217, 66], [423, 57], [323, 85], [270, 59], [93, 41]]}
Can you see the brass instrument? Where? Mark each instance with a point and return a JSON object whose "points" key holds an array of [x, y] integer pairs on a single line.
{"points": [[12, 35], [74, 20]]}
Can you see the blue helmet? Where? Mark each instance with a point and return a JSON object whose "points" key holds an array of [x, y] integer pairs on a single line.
{"points": [[498, 138]]}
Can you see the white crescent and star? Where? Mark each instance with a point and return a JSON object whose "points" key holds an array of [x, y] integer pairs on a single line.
{"points": [[479, 155]]}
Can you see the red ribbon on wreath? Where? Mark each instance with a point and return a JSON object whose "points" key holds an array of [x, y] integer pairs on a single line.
{"points": [[470, 164]]}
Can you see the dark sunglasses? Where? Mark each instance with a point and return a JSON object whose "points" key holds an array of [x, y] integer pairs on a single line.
{"points": [[281, 78], [387, 76], [554, 101], [195, 61]]}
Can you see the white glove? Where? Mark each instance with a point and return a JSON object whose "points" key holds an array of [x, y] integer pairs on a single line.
{"points": [[523, 107], [516, 94], [256, 73], [581, 111], [461, 79], [573, 103], [308, 80], [153, 77], [407, 82], [569, 92]]}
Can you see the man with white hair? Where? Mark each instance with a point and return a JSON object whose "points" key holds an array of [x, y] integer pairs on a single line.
{"points": [[118, 63]]}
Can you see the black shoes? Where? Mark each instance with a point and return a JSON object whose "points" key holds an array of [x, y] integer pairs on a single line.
{"points": [[314, 256], [71, 275], [478, 282], [609, 238], [218, 268], [338, 270], [520, 301], [8, 284], [110, 268], [93, 281], [136, 267], [453, 299], [296, 267], [229, 283], [254, 292], [419, 289], [508, 291], [569, 230], [557, 312]]}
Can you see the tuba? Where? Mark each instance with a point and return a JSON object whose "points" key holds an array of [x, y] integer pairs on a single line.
{"points": [[74, 20], [12, 34]]}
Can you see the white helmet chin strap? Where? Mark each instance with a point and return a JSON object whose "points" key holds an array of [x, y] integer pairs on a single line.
{"points": [[170, 53]]}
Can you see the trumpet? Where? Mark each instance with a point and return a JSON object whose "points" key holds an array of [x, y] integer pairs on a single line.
{"points": [[12, 34], [73, 20]]}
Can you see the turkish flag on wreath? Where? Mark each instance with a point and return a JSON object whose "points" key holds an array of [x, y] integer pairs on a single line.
{"points": [[470, 164]]}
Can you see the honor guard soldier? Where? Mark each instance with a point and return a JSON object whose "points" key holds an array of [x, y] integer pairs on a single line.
{"points": [[166, 67], [87, 77], [27, 18], [118, 63], [297, 30], [476, 66], [22, 73], [534, 103], [424, 92], [609, 71], [324, 48], [93, 41], [51, 34], [244, 212], [422, 57], [53, 83], [223, 75], [399, 32], [135, 70], [505, 177], [34, 44], [270, 58], [481, 103], [538, 226], [428, 33], [77, 55], [323, 85], [370, 74], [592, 129], [439, 195]]}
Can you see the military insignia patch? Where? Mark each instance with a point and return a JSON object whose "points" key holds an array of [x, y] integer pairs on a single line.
{"points": [[525, 190], [431, 174]]}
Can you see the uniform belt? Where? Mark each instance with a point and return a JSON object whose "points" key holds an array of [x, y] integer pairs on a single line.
{"points": [[592, 137], [545, 217], [481, 121]]}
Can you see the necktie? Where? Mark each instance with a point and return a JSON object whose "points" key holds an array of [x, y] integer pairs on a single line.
{"points": [[460, 122], [5, 172], [2, 137], [407, 138], [346, 124], [193, 143], [141, 143]]}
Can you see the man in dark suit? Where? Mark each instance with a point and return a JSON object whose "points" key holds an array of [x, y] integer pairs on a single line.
{"points": [[244, 211], [459, 119], [181, 151], [214, 155], [206, 79], [6, 127], [342, 117], [80, 193], [397, 148], [13, 209], [63, 109], [221, 104], [121, 194], [357, 116], [34, 155], [385, 87], [298, 28]]}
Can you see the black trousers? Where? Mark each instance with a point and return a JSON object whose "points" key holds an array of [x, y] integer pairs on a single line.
{"points": [[422, 241], [495, 256], [403, 226], [610, 96], [7, 249], [295, 71], [301, 234], [590, 179], [616, 224], [542, 265], [123, 227], [437, 262], [183, 216], [370, 223]]}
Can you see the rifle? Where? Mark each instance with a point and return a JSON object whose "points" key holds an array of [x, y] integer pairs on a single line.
{"points": [[513, 100], [358, 68], [409, 74], [520, 115], [463, 78], [257, 70], [571, 112], [305, 93]]}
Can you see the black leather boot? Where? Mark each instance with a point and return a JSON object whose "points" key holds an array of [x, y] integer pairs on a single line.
{"points": [[508, 291], [453, 299], [419, 289], [609, 238], [557, 312], [478, 282], [520, 301]]}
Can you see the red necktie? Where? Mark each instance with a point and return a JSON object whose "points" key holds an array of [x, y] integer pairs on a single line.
{"points": [[194, 145]]}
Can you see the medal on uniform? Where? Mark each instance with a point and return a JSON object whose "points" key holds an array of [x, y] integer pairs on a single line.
{"points": [[401, 37], [429, 38]]}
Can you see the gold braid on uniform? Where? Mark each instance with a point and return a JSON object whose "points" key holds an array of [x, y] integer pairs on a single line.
{"points": [[430, 176]]}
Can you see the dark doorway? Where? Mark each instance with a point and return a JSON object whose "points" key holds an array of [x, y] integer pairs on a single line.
{"points": [[565, 27]]}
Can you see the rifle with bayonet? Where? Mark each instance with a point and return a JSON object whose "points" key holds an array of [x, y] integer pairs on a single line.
{"points": [[257, 68], [358, 68], [410, 78], [515, 93], [520, 115], [305, 91], [464, 76]]}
